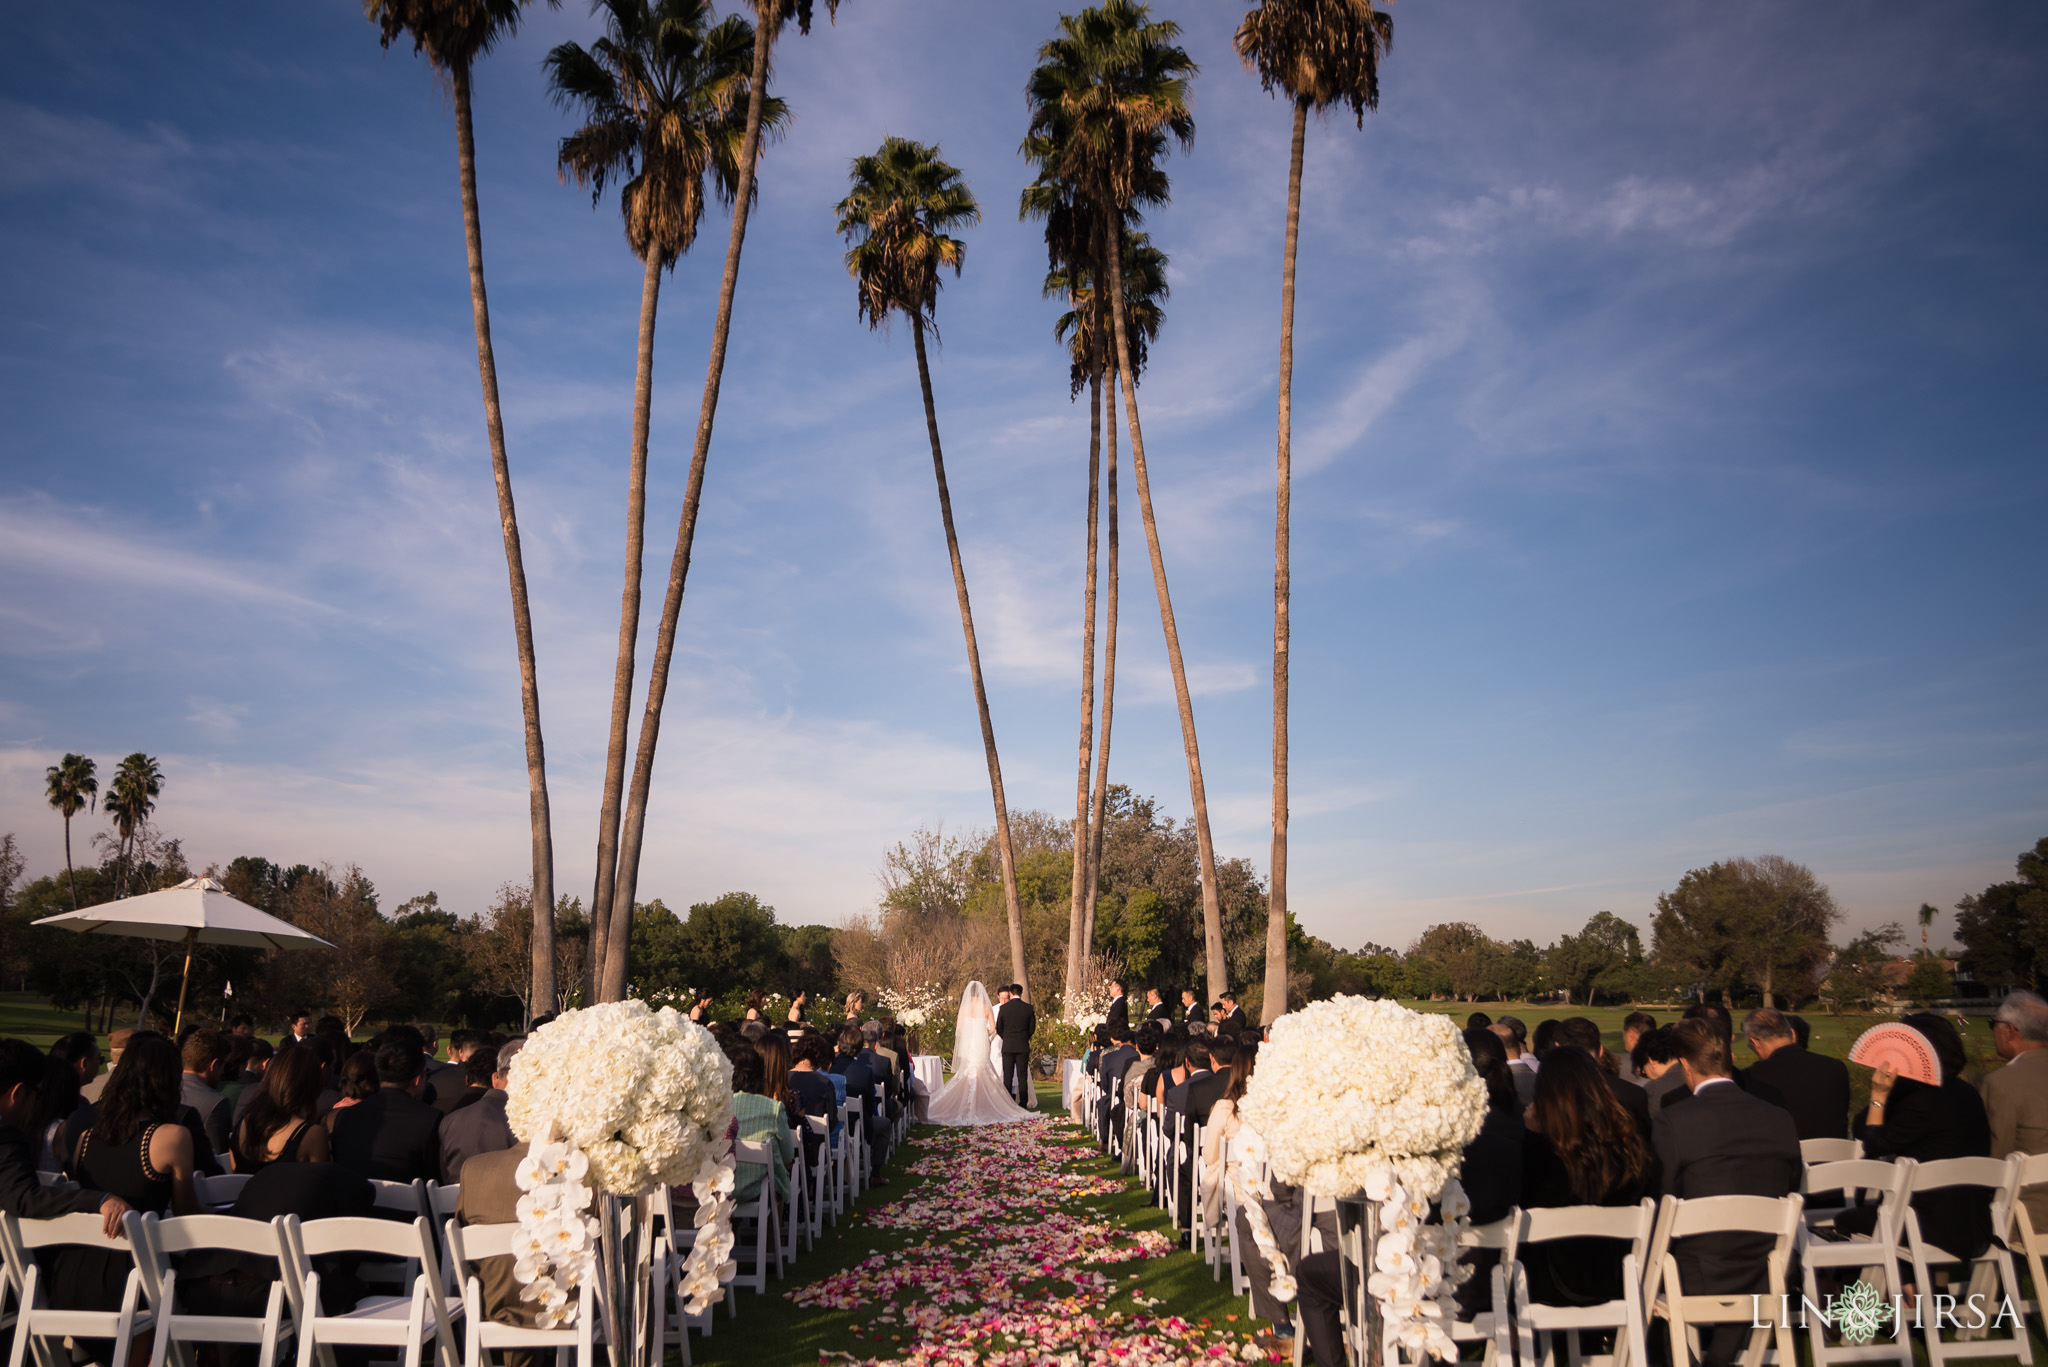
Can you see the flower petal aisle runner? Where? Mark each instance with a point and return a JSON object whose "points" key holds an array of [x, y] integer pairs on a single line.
{"points": [[1010, 1259]]}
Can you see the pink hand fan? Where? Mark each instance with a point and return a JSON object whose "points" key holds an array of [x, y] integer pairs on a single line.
{"points": [[1903, 1047]]}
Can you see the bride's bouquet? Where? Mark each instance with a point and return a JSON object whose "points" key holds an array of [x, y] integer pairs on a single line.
{"points": [[621, 1099], [1361, 1099]]}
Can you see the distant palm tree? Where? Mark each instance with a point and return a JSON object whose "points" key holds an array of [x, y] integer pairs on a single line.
{"points": [[1106, 96], [453, 34], [663, 97], [72, 786], [770, 18], [1322, 53], [131, 797], [1927, 914], [899, 216]]}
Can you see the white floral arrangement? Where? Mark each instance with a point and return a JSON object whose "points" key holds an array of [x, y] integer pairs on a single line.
{"points": [[1365, 1099], [623, 1099], [913, 1007], [1087, 1007]]}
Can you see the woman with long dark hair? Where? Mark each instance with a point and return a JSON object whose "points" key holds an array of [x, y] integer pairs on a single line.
{"points": [[136, 1150], [1583, 1148], [357, 1083], [74, 1061], [1908, 1119], [1492, 1171], [281, 1125]]}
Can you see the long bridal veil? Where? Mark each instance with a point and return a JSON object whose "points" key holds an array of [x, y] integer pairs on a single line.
{"points": [[975, 1095]]}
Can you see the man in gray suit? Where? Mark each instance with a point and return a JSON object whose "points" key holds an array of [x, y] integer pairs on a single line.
{"points": [[481, 1126]]}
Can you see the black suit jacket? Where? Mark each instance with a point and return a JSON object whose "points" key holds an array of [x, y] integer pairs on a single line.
{"points": [[1725, 1142], [860, 1084], [475, 1129], [1234, 1023], [1160, 1012], [1111, 1066], [1119, 1013], [1813, 1087], [23, 1194], [1633, 1099], [1016, 1022], [391, 1137]]}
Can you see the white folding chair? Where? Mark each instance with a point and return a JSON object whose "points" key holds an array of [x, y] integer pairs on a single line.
{"points": [[1830, 1150], [164, 1240], [408, 1321], [1491, 1326], [1874, 1258], [1685, 1312], [678, 1239], [218, 1193], [799, 1195], [469, 1244], [35, 1322], [761, 1210], [1537, 1325], [854, 1116], [819, 1178], [2033, 1241], [2000, 1178]]}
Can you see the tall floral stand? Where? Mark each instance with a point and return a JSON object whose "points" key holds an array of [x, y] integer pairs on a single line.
{"points": [[1358, 1234]]}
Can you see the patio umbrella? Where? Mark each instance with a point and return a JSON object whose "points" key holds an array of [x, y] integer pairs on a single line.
{"points": [[198, 910]]}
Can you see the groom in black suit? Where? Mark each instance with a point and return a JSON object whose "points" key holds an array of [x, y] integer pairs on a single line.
{"points": [[1016, 1022]]}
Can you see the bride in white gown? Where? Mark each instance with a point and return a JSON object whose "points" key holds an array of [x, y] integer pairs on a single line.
{"points": [[975, 1096]]}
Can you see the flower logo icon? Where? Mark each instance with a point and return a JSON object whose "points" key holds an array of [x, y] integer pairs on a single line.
{"points": [[1861, 1312]]}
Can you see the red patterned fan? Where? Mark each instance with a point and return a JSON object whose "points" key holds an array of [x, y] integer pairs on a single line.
{"points": [[1903, 1047]]}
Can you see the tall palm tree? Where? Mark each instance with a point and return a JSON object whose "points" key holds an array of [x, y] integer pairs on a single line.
{"points": [[72, 786], [131, 797], [899, 216], [662, 96], [770, 18], [1322, 53], [453, 34], [1106, 96], [1927, 915]]}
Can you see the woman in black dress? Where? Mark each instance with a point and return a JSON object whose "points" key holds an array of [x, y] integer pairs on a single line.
{"points": [[136, 1150], [280, 1126], [1583, 1148], [1908, 1119], [1492, 1171]]}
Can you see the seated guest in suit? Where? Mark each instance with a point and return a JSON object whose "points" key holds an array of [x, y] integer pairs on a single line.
{"points": [[1583, 1148], [1576, 1032], [217, 1282], [479, 1065], [1514, 1037], [1233, 1022], [23, 1071], [392, 1136], [1098, 1045], [861, 1085], [1492, 1171], [1908, 1119], [1655, 1060], [1723, 1142], [886, 1074], [482, 1127], [1208, 1078], [1130, 1096], [1115, 1061], [1813, 1088], [205, 1059], [1634, 1026], [490, 1196], [810, 1059], [280, 1126], [2016, 1096]]}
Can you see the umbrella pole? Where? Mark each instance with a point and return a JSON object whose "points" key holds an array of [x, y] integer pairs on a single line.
{"points": [[191, 938]]}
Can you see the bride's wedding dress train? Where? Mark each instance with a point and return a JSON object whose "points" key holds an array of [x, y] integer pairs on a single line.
{"points": [[975, 1096]]}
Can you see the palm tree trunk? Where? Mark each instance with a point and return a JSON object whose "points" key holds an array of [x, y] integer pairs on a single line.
{"points": [[624, 886], [515, 564], [1283, 499], [1212, 913], [988, 730], [1083, 891], [1101, 801], [70, 874], [629, 616]]}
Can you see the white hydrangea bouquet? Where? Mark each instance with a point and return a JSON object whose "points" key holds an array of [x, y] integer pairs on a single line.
{"points": [[1366, 1100], [620, 1099], [913, 1007]]}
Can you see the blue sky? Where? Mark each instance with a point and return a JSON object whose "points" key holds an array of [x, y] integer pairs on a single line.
{"points": [[1670, 402]]}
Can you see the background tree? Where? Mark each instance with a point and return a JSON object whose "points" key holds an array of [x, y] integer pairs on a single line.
{"points": [[1856, 976], [899, 216], [1580, 964], [1695, 927], [1458, 949], [1106, 96], [1781, 944], [131, 797], [770, 18], [1321, 52], [71, 786], [1929, 981], [452, 35], [662, 96], [731, 942], [2004, 929]]}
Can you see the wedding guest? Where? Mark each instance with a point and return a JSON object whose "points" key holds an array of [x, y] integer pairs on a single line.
{"points": [[74, 1060], [1908, 1119], [1478, 1020], [392, 1136], [205, 1059], [218, 1282], [116, 1042], [1655, 1060], [1098, 1045], [856, 1002], [701, 1008], [1581, 1034], [1514, 1038], [762, 1119], [1814, 1089], [890, 1081], [482, 1126], [1722, 1142], [1800, 1030], [23, 1073], [479, 1065], [1156, 1007], [300, 1025], [753, 1031], [137, 1150], [2016, 1096], [435, 1075], [861, 1083], [775, 1074], [1717, 1016], [1192, 1008], [1111, 1067], [1119, 1012], [796, 1007], [820, 1092], [883, 1042], [234, 1073], [1583, 1148], [1634, 1026], [1146, 1041], [358, 1084], [756, 1004], [1542, 1041], [1492, 1170], [281, 1124], [1233, 1023]]}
